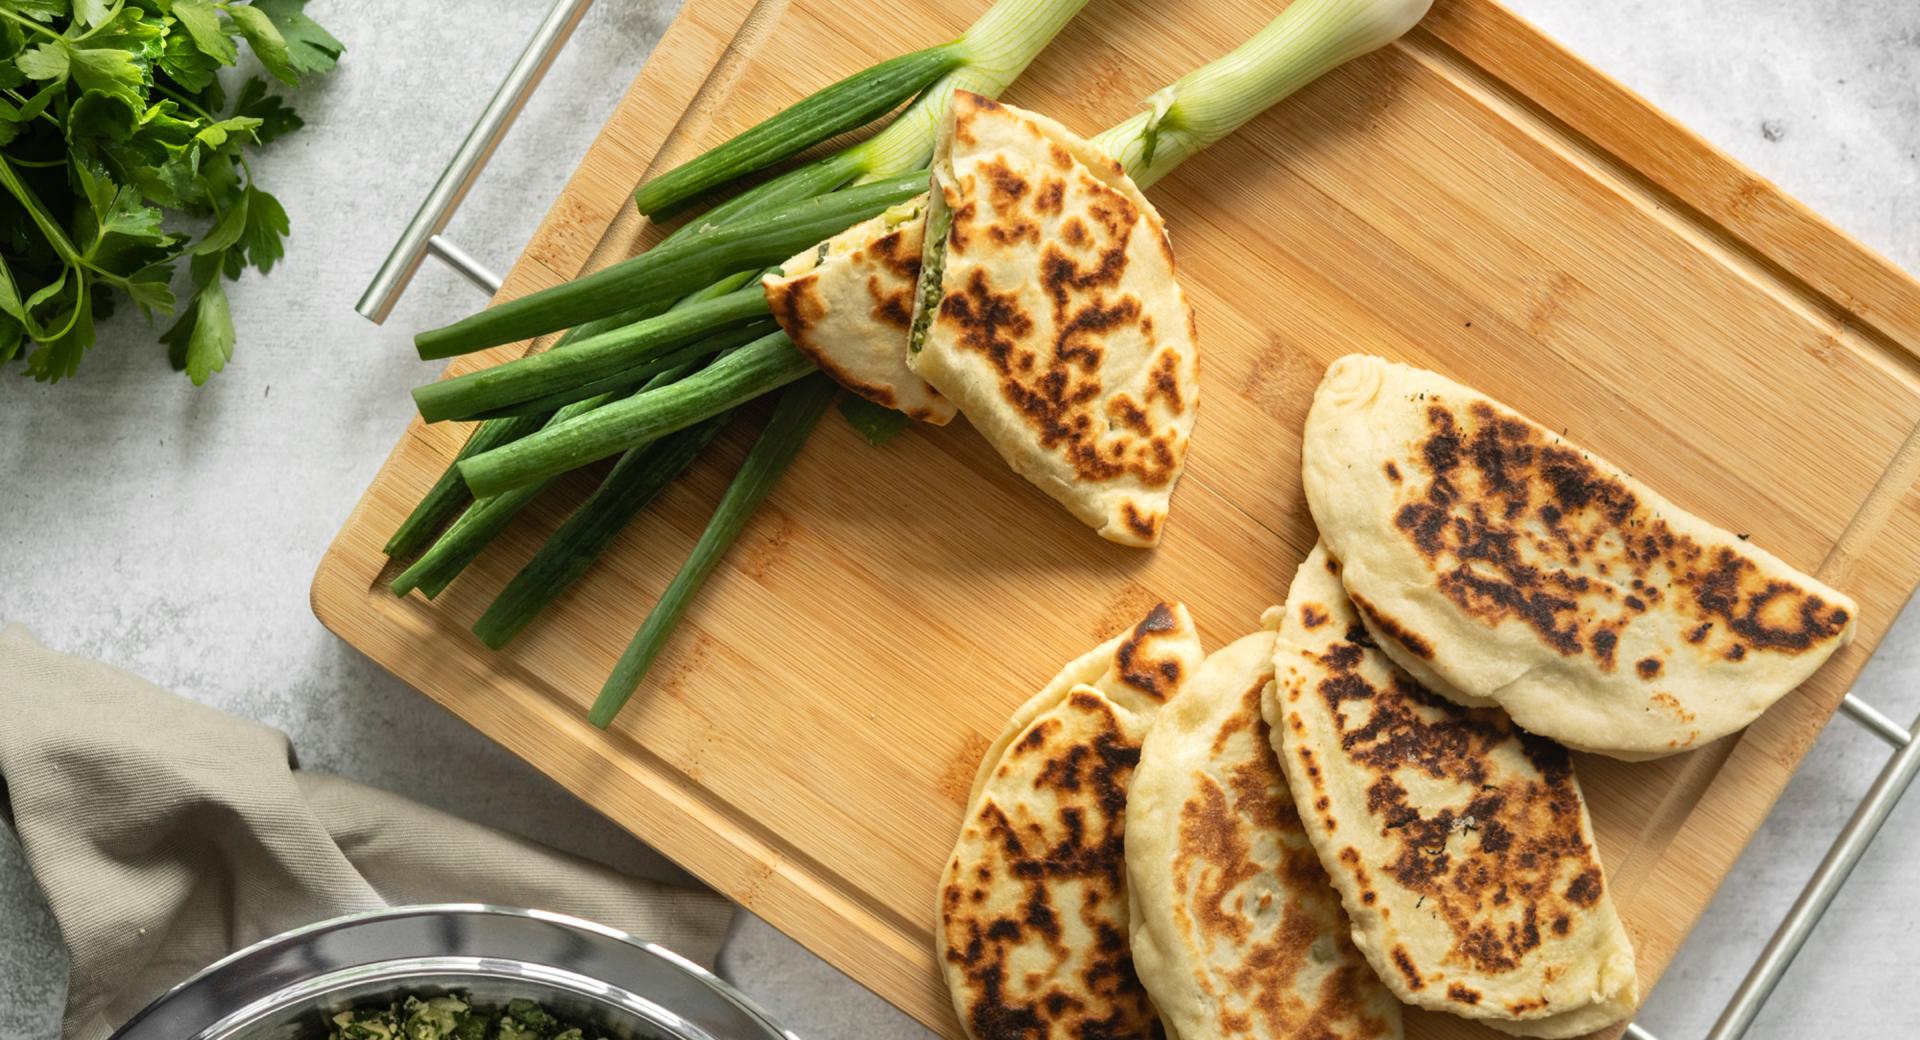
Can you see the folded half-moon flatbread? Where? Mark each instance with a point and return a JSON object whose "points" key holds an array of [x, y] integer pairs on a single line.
{"points": [[1059, 330], [1032, 917], [847, 304], [1460, 844], [1237, 934], [1494, 560]]}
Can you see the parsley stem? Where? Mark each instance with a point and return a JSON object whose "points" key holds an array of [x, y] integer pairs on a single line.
{"points": [[28, 201], [30, 23], [162, 88], [44, 114], [79, 302]]}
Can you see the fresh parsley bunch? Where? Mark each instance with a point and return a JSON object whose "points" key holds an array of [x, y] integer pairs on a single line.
{"points": [[112, 120]]}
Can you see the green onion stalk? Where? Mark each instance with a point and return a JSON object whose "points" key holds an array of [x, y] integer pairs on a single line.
{"points": [[1307, 39], [988, 57], [594, 358], [798, 410], [851, 103], [461, 542], [485, 518], [639, 478], [450, 494]]}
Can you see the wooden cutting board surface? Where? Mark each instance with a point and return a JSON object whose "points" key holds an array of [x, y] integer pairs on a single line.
{"points": [[1473, 200]]}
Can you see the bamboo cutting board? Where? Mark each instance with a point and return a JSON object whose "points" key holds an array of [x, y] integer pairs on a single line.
{"points": [[1473, 200]]}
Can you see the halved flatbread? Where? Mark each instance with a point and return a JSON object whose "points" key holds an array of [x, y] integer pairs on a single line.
{"points": [[1060, 331], [848, 302], [1032, 918], [1460, 844], [1237, 934], [1493, 559]]}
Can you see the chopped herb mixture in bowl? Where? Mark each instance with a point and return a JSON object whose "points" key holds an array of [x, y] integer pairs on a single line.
{"points": [[452, 1018]]}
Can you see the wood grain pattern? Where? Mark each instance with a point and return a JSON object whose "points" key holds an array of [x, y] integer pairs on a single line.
{"points": [[1473, 199]]}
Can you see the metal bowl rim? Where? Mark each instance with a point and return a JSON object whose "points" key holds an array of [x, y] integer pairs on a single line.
{"points": [[724, 989]]}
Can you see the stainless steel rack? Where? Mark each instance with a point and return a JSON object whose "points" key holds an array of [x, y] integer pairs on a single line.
{"points": [[422, 238]]}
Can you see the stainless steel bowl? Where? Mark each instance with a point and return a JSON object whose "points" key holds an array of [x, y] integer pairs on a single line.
{"points": [[283, 988]]}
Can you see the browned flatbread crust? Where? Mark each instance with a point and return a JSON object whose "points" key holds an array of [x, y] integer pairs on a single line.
{"points": [[1032, 917], [1237, 933], [1061, 332], [847, 304], [1460, 844], [1497, 562]]}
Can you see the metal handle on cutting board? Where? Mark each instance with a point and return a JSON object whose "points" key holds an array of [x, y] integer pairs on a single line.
{"points": [[422, 234]]}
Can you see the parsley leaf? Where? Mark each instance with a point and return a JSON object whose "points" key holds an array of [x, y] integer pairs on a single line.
{"points": [[152, 288], [46, 61], [215, 134], [187, 63], [34, 106], [266, 229], [10, 295], [202, 22], [212, 342], [97, 116], [44, 10], [268, 45], [141, 35], [90, 12], [310, 49], [225, 232], [95, 184], [201, 342], [11, 336], [276, 119], [126, 215], [207, 344], [108, 71]]}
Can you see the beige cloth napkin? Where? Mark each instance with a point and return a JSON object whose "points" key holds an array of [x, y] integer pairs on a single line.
{"points": [[167, 834]]}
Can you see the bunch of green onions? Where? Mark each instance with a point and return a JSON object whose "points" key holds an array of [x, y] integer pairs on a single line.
{"points": [[664, 346], [679, 317]]}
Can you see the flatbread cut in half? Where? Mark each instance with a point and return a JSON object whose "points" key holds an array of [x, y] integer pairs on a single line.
{"points": [[1059, 331], [1236, 933], [847, 304], [1460, 844], [1495, 561], [1032, 918]]}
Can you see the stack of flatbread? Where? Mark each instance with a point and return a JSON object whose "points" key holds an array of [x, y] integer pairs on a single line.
{"points": [[1371, 797]]}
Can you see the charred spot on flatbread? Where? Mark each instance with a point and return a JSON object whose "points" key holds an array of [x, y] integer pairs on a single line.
{"points": [[847, 305], [1059, 328], [1460, 842], [1033, 906], [1236, 932], [1084, 765], [1500, 564], [1507, 513]]}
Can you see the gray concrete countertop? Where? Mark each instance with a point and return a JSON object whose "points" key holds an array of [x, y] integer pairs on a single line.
{"points": [[174, 532]]}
